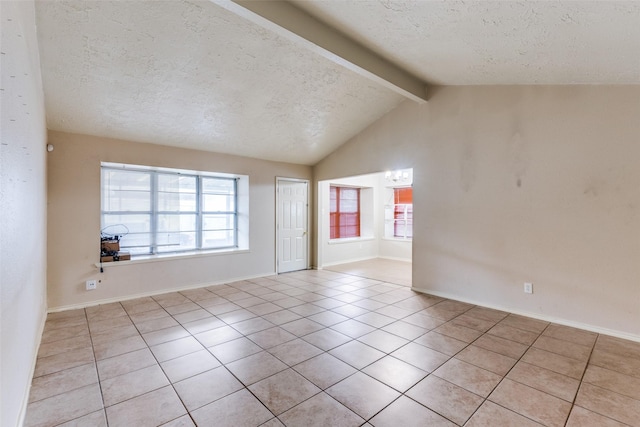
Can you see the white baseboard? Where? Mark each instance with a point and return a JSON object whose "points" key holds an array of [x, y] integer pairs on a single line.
{"points": [[347, 261], [553, 319], [25, 399], [149, 294]]}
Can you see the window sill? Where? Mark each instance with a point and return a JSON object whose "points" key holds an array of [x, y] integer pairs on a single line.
{"points": [[142, 259], [397, 239], [350, 240]]}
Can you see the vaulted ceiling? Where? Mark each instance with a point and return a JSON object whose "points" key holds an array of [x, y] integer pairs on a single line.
{"points": [[270, 80]]}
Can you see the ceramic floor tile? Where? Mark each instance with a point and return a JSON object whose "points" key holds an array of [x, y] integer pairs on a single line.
{"points": [[220, 309], [545, 380], [395, 373], [60, 362], [271, 337], [349, 310], [376, 320], [165, 335], [321, 411], [207, 387], [256, 367], [424, 321], [324, 370], [182, 308], [203, 325], [473, 323], [470, 377], [64, 345], [357, 354], [283, 391], [125, 363], [154, 408], [148, 315], [114, 334], [156, 325], [531, 403], [301, 327], [492, 415], [183, 421], [282, 316], [447, 399], [487, 314], [486, 359], [394, 312], [294, 352], [65, 322], [97, 327], [326, 339], [568, 349], [192, 316], [236, 316], [384, 341], [555, 362], [613, 381], [62, 381], [108, 349], [405, 330], [580, 417], [217, 336], [64, 333], [328, 318], [189, 365], [573, 335], [610, 359], [420, 356], [514, 334], [124, 387], [94, 419], [362, 394], [238, 409], [461, 333], [525, 323], [613, 405], [408, 413], [353, 328], [64, 407], [442, 343], [234, 350], [172, 349], [501, 346], [307, 309]]}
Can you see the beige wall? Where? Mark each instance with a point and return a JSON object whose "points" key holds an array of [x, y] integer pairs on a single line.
{"points": [[23, 207], [520, 184], [74, 221]]}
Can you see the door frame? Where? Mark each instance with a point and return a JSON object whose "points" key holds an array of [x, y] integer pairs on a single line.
{"points": [[308, 220]]}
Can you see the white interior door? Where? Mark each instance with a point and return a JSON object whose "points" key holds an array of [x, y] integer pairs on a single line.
{"points": [[292, 225]]}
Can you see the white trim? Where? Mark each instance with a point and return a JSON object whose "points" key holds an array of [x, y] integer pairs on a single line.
{"points": [[164, 291], [348, 261], [25, 399], [407, 260], [553, 319], [141, 259], [346, 240]]}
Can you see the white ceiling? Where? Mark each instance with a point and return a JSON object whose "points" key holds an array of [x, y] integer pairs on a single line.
{"points": [[196, 75]]}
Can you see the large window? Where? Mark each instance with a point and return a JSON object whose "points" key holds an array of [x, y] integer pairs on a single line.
{"points": [[403, 212], [168, 210], [344, 212]]}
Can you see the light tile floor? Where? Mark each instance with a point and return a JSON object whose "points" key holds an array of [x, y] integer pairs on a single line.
{"points": [[320, 348]]}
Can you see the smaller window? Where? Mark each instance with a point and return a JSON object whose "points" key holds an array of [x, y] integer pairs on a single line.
{"points": [[402, 213], [344, 215]]}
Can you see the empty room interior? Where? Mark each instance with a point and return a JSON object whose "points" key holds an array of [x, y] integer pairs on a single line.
{"points": [[320, 213]]}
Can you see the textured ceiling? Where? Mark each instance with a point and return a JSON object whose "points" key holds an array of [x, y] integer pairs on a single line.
{"points": [[195, 75], [497, 42]]}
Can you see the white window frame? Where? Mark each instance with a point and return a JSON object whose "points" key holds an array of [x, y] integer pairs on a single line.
{"points": [[240, 237]]}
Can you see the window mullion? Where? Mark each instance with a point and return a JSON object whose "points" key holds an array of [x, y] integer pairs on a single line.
{"points": [[154, 213], [199, 216]]}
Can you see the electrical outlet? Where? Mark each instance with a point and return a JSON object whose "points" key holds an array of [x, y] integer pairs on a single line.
{"points": [[528, 288], [91, 284]]}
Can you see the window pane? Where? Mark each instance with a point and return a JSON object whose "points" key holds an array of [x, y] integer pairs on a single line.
{"points": [[218, 239], [218, 203], [176, 193], [126, 191]]}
